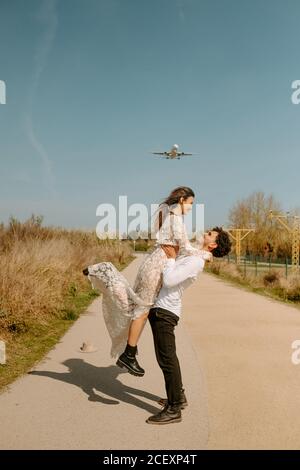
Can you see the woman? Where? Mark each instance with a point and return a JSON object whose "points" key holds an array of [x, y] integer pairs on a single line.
{"points": [[125, 309]]}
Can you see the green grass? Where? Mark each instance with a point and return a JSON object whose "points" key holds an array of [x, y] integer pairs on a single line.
{"points": [[23, 350]]}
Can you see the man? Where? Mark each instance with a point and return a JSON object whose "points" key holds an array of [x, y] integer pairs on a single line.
{"points": [[165, 314]]}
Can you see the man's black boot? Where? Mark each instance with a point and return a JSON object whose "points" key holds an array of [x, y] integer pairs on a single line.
{"points": [[183, 401], [128, 360], [170, 414]]}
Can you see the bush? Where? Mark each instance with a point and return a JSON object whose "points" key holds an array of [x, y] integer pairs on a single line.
{"points": [[293, 288], [271, 278]]}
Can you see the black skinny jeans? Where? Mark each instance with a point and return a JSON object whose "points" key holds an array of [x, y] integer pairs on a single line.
{"points": [[162, 323]]}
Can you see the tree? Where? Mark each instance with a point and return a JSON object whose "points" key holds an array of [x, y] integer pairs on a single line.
{"points": [[253, 212]]}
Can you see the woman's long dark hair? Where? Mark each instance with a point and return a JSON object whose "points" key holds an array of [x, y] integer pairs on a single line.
{"points": [[174, 198]]}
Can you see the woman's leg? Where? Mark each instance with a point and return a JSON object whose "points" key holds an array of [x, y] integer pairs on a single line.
{"points": [[136, 328], [141, 284], [128, 359]]}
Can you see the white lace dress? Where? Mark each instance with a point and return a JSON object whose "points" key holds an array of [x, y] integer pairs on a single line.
{"points": [[118, 299], [149, 277], [120, 302]]}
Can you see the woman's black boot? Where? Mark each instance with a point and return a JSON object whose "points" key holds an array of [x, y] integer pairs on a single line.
{"points": [[128, 360]]}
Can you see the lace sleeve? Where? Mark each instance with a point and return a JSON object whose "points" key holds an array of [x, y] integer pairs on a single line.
{"points": [[180, 235]]}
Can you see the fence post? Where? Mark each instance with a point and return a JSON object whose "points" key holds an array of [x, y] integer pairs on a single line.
{"points": [[269, 262], [255, 266], [286, 267], [244, 267], [2, 353]]}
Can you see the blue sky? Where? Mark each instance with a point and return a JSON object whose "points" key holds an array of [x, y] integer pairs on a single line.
{"points": [[94, 85]]}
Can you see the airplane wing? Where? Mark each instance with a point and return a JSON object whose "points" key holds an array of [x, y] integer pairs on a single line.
{"points": [[183, 154], [158, 153]]}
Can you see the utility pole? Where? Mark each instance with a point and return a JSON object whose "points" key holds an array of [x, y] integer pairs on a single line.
{"points": [[294, 231], [236, 234]]}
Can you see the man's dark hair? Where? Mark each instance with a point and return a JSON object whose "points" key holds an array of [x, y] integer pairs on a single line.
{"points": [[223, 241]]}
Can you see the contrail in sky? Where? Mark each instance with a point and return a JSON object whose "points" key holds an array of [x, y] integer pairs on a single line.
{"points": [[46, 15]]}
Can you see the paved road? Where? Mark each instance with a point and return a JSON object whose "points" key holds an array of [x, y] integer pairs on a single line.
{"points": [[243, 342], [83, 401]]}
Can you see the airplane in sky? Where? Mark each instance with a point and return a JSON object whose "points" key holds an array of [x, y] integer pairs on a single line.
{"points": [[173, 153]]}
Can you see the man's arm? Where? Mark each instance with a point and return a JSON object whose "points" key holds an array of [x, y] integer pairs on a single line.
{"points": [[175, 273]]}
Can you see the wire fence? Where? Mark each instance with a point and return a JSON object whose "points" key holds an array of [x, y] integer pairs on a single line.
{"points": [[252, 264]]}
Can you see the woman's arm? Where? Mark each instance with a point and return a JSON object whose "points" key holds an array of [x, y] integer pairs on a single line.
{"points": [[180, 236]]}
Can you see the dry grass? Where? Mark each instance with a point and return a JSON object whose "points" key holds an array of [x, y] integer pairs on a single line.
{"points": [[291, 287], [41, 268], [273, 283], [42, 288]]}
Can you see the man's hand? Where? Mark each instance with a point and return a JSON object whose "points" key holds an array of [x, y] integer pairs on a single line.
{"points": [[209, 257], [171, 251], [206, 255]]}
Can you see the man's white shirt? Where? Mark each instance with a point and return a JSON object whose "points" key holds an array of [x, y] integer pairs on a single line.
{"points": [[178, 275]]}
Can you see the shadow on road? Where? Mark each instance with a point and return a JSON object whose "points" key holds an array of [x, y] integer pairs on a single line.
{"points": [[92, 379]]}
